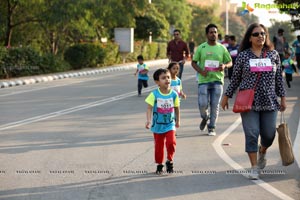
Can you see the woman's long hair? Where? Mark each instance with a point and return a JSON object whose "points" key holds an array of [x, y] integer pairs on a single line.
{"points": [[246, 44]]}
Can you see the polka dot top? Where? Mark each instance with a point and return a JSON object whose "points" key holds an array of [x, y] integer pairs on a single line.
{"points": [[269, 86]]}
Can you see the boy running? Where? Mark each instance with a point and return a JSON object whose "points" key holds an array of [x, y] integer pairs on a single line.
{"points": [[142, 70]]}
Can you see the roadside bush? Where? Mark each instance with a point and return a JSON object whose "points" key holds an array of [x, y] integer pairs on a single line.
{"points": [[3, 53], [84, 55], [21, 62], [151, 50], [138, 50], [51, 63], [112, 56], [161, 50]]}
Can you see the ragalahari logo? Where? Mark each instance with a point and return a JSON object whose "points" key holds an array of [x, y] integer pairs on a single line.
{"points": [[246, 8]]}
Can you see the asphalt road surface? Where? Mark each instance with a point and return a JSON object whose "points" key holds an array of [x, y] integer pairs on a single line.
{"points": [[84, 138]]}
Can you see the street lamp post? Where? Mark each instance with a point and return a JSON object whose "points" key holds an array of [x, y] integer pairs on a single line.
{"points": [[226, 17], [150, 37]]}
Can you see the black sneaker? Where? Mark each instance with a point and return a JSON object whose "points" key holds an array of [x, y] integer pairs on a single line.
{"points": [[203, 124], [159, 169], [169, 165]]}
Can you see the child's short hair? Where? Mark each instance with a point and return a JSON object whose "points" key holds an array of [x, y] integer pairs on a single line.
{"points": [[140, 57], [158, 72], [171, 64]]}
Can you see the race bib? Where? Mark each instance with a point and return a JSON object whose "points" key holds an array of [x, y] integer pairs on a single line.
{"points": [[176, 89], [212, 65], [165, 106], [260, 65], [141, 69], [234, 53]]}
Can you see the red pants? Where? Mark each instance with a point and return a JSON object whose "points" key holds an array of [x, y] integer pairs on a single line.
{"points": [[159, 142]]}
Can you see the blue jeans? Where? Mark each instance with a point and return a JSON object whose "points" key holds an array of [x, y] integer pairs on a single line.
{"points": [[261, 123], [210, 94], [181, 65]]}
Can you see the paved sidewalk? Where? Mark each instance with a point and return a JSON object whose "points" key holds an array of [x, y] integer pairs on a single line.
{"points": [[5, 83]]}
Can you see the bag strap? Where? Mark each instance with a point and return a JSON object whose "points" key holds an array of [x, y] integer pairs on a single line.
{"points": [[257, 79], [259, 74], [282, 118]]}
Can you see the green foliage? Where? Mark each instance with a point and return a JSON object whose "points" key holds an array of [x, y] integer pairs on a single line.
{"points": [[178, 14], [294, 12], [3, 54], [84, 55], [21, 62], [51, 63], [138, 49], [111, 54], [198, 27], [151, 51], [16, 62], [161, 50], [152, 22]]}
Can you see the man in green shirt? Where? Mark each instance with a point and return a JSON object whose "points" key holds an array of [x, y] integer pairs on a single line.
{"points": [[210, 60]]}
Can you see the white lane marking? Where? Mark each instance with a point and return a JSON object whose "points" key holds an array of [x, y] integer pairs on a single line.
{"points": [[73, 109], [69, 110], [296, 146], [61, 85], [217, 144]]}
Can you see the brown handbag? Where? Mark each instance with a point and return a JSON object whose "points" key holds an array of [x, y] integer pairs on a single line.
{"points": [[285, 144]]}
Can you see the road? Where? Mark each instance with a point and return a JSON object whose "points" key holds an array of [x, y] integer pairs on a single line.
{"points": [[84, 138]]}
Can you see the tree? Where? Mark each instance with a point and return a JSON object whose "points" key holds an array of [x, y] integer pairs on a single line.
{"points": [[17, 13], [201, 17], [178, 13], [154, 22], [294, 12]]}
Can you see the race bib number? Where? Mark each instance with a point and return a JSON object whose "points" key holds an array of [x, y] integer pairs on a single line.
{"points": [[212, 65], [260, 65], [234, 53], [165, 106]]}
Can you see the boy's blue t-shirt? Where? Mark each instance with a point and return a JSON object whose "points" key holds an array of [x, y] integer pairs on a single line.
{"points": [[163, 119], [142, 68], [287, 64]]}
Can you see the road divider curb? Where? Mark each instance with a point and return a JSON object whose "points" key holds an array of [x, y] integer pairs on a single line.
{"points": [[64, 75]]}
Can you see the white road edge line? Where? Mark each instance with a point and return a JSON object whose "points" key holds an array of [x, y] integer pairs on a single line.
{"points": [[296, 146], [217, 144]]}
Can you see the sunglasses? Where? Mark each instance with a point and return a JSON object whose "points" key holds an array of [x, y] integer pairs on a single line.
{"points": [[176, 34], [256, 34]]}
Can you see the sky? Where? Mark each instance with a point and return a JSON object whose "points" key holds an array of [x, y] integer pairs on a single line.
{"points": [[263, 14]]}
